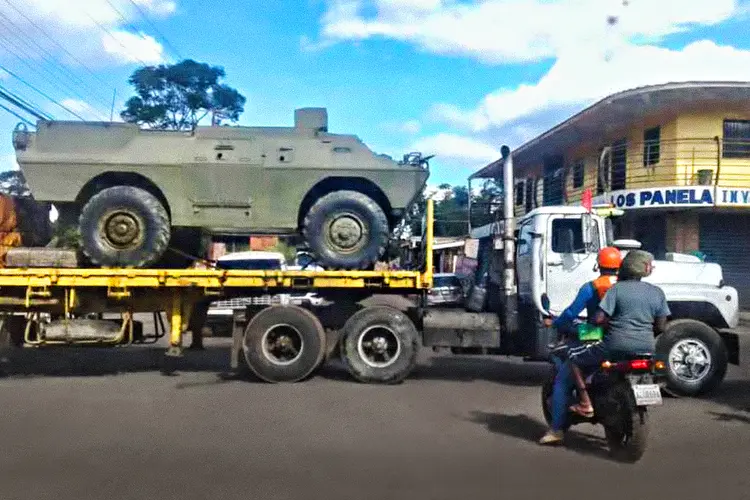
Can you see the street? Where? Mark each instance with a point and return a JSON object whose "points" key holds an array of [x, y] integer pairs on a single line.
{"points": [[107, 424]]}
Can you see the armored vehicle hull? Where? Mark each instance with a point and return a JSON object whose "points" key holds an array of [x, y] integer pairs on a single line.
{"points": [[132, 190]]}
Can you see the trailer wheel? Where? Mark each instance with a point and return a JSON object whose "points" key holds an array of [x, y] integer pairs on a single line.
{"points": [[379, 345], [283, 344], [695, 355], [124, 226], [347, 230]]}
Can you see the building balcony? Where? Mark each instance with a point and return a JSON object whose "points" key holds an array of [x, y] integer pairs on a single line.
{"points": [[660, 174], [683, 172]]}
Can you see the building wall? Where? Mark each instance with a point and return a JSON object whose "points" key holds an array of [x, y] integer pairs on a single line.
{"points": [[701, 151], [687, 145]]}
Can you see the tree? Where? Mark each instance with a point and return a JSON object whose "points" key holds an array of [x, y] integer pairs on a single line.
{"points": [[178, 96]]}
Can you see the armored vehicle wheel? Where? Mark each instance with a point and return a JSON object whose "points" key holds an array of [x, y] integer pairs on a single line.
{"points": [[284, 344], [346, 230], [379, 345], [124, 226]]}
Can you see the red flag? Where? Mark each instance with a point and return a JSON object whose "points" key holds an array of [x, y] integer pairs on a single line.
{"points": [[586, 199]]}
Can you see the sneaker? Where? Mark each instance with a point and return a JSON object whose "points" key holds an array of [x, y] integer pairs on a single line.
{"points": [[552, 437]]}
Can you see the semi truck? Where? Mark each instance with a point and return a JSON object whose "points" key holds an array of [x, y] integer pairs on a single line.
{"points": [[550, 251]]}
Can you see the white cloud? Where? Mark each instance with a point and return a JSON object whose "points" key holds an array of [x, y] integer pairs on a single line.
{"points": [[605, 74], [158, 7], [411, 127], [8, 162], [501, 31], [456, 149], [91, 30], [83, 109], [131, 47]]}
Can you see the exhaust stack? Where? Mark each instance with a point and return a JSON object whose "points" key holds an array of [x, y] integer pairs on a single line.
{"points": [[509, 243]]}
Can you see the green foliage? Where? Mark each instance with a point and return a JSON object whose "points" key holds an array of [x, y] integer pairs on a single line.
{"points": [[178, 96], [452, 212]]}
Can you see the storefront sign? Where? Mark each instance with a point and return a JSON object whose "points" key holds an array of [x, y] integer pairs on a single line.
{"points": [[658, 197], [728, 197]]}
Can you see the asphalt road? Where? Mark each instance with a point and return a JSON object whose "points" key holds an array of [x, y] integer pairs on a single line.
{"points": [[109, 425]]}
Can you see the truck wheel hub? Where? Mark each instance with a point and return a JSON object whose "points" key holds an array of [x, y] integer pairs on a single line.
{"points": [[282, 344], [346, 232], [122, 229], [690, 360], [379, 346]]}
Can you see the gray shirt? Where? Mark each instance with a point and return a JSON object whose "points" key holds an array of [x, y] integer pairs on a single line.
{"points": [[632, 307]]}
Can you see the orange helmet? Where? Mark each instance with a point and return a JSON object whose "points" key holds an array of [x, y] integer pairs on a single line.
{"points": [[609, 258]]}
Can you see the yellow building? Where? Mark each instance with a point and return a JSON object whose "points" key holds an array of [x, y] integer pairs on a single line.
{"points": [[675, 157]]}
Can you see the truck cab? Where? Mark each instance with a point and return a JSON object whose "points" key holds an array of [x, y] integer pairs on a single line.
{"points": [[552, 251]]}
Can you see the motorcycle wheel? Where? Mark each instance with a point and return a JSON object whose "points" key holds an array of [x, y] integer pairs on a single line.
{"points": [[627, 441]]}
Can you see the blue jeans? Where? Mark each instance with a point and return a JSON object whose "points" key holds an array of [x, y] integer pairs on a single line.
{"points": [[561, 389]]}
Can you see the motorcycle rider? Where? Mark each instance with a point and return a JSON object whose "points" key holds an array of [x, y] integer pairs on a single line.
{"points": [[632, 311], [588, 298]]}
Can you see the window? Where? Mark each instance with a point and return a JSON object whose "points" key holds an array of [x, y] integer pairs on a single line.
{"points": [[524, 239], [579, 171], [736, 139], [651, 139], [519, 193], [567, 236]]}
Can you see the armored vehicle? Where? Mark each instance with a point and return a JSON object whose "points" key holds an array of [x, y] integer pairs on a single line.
{"points": [[132, 191]]}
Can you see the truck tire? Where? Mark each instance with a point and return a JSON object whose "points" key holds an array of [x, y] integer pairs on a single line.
{"points": [[695, 355], [379, 345], [283, 344], [346, 230], [11, 331], [124, 226]]}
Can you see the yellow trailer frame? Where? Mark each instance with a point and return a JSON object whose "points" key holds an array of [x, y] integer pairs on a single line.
{"points": [[177, 290]]}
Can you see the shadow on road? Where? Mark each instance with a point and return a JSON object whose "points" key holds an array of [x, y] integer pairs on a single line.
{"points": [[469, 369], [734, 394], [529, 429], [730, 417], [460, 369], [98, 361], [93, 361]]}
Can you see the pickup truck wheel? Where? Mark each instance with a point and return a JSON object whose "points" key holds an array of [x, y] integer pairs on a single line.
{"points": [[346, 230], [379, 345], [124, 226], [284, 344], [695, 355]]}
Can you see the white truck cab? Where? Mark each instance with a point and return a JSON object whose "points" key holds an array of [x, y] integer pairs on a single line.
{"points": [[553, 251], [556, 254]]}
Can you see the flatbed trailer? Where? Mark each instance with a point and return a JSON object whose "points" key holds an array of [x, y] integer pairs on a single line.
{"points": [[53, 306]]}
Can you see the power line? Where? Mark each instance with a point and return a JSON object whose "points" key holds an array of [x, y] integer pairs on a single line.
{"points": [[40, 92], [57, 85], [27, 122], [107, 31], [128, 23], [50, 38], [19, 102], [50, 57], [156, 30]]}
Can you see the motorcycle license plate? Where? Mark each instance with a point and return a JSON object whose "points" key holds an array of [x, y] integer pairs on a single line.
{"points": [[647, 394]]}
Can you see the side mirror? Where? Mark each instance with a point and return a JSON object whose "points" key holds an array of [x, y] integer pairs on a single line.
{"points": [[545, 302]]}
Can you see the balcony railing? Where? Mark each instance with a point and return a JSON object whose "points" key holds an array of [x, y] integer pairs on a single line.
{"points": [[664, 163], [681, 162]]}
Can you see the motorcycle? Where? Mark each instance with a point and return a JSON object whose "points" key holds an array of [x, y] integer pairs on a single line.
{"points": [[621, 390]]}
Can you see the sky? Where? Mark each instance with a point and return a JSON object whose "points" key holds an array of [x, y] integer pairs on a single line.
{"points": [[451, 78]]}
